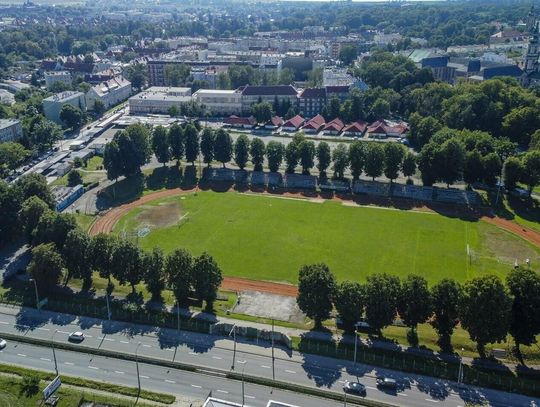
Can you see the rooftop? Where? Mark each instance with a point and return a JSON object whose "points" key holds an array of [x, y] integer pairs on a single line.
{"points": [[60, 97], [269, 90], [8, 123]]}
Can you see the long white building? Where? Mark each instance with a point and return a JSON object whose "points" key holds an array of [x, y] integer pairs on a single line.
{"points": [[158, 100], [220, 102]]}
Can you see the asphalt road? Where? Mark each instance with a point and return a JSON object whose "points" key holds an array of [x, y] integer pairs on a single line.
{"points": [[165, 380], [217, 352]]}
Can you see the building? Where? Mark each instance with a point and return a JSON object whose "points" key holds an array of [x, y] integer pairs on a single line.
{"points": [[110, 92], [340, 91], [65, 196], [334, 127], [383, 129], [158, 100], [293, 124], [311, 101], [10, 129], [531, 65], [256, 94], [240, 122], [53, 104], [220, 102], [356, 129], [436, 61], [53, 77], [274, 123], [314, 124]]}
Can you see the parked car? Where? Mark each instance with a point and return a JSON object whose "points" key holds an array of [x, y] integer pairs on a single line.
{"points": [[76, 336], [386, 383], [3, 343], [354, 388]]}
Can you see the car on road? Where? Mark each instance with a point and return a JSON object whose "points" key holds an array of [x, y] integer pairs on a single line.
{"points": [[387, 383], [3, 343], [354, 388], [76, 336]]}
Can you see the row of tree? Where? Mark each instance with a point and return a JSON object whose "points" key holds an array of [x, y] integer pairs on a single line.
{"points": [[486, 308]]}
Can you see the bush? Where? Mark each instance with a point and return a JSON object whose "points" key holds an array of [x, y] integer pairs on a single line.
{"points": [[29, 385]]}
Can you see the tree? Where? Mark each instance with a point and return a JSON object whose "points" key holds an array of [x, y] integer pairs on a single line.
{"points": [[382, 291], [393, 158], [306, 153], [74, 178], [176, 141], [274, 153], [76, 253], [207, 145], [241, 150], [137, 74], [374, 160], [485, 310], [334, 108], [12, 155], [102, 248], [534, 144], [174, 111], [512, 173], [262, 112], [154, 272], [45, 267], [452, 158], [379, 109], [99, 107], [223, 81], [472, 168], [408, 166], [414, 304], [257, 149], [31, 211], [357, 158], [54, 227], [340, 156], [349, 303], [422, 129], [492, 166], [324, 157], [71, 116], [112, 160], [179, 270], [207, 278], [524, 286], [160, 145], [316, 288], [176, 75], [445, 297], [347, 54], [43, 133], [35, 184], [291, 157], [531, 169], [191, 137], [223, 147], [126, 264], [286, 76]]}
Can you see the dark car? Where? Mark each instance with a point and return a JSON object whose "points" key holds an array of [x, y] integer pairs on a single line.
{"points": [[354, 388], [387, 383]]}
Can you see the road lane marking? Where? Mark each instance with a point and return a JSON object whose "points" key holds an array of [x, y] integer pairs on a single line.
{"points": [[169, 349], [223, 391], [89, 336], [108, 339], [193, 353], [196, 386], [217, 357], [21, 355], [44, 329], [124, 342], [170, 381], [265, 367], [146, 346], [93, 367], [119, 372], [290, 371], [433, 401], [144, 377], [4, 323], [241, 361], [249, 397], [68, 363], [63, 332], [45, 359], [372, 388], [403, 394]]}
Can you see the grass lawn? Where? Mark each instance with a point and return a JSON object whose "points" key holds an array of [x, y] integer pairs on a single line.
{"points": [[269, 238]]}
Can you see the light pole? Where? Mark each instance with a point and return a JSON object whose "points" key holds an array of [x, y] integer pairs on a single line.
{"points": [[273, 359], [355, 344], [460, 372], [108, 306], [37, 296], [137, 365], [177, 316], [233, 331], [243, 393], [54, 352]]}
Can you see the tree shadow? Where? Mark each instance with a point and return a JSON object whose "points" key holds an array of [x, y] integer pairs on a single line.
{"points": [[165, 177], [120, 192]]}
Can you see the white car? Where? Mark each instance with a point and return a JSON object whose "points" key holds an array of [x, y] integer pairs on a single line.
{"points": [[76, 336], [3, 343]]}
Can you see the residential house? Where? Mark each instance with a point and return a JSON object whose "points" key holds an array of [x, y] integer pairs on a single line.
{"points": [[314, 124], [53, 77], [220, 102], [53, 104], [110, 93], [10, 129], [293, 124], [356, 129], [333, 127], [274, 123], [339, 91], [384, 129], [240, 122]]}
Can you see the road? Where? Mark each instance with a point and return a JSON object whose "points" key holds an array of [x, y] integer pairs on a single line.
{"points": [[155, 378], [217, 352]]}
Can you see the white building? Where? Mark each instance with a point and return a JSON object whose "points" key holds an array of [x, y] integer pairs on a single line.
{"points": [[10, 130], [53, 104], [57, 76], [110, 93], [220, 102], [158, 100]]}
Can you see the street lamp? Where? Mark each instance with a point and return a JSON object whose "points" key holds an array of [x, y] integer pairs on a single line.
{"points": [[137, 365], [273, 358], [53, 351], [355, 344], [233, 331], [37, 296], [460, 372]]}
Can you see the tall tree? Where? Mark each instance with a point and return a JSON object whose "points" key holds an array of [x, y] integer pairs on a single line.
{"points": [[126, 264], [77, 258], [485, 311], [374, 160], [207, 278], [472, 168], [102, 248], [112, 160], [316, 288], [340, 156], [71, 116], [274, 153], [531, 169], [414, 304], [179, 270], [154, 272], [408, 166], [524, 285], [291, 157], [334, 107], [393, 158], [160, 145], [257, 149], [35, 184], [223, 147], [382, 293], [357, 158], [191, 143], [306, 153], [45, 267], [445, 297], [349, 303], [262, 112], [31, 211], [176, 141], [324, 157], [452, 158], [512, 173], [241, 151], [207, 145]]}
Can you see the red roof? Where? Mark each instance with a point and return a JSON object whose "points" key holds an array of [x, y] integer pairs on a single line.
{"points": [[356, 127], [240, 120], [295, 122], [382, 127], [314, 123], [276, 121], [334, 125]]}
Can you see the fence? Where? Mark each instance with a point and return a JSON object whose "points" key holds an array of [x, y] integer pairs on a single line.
{"points": [[251, 333]]}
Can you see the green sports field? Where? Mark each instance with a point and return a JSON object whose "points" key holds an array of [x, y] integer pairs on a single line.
{"points": [[269, 237]]}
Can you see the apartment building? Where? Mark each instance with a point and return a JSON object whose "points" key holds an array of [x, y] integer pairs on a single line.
{"points": [[220, 102]]}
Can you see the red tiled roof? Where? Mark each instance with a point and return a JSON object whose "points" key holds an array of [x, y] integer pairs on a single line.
{"points": [[314, 123], [240, 120], [356, 127], [295, 122], [276, 121], [334, 125], [382, 127]]}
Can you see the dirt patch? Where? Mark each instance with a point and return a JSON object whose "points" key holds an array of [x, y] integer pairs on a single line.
{"points": [[268, 305], [505, 249], [160, 216], [245, 284]]}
